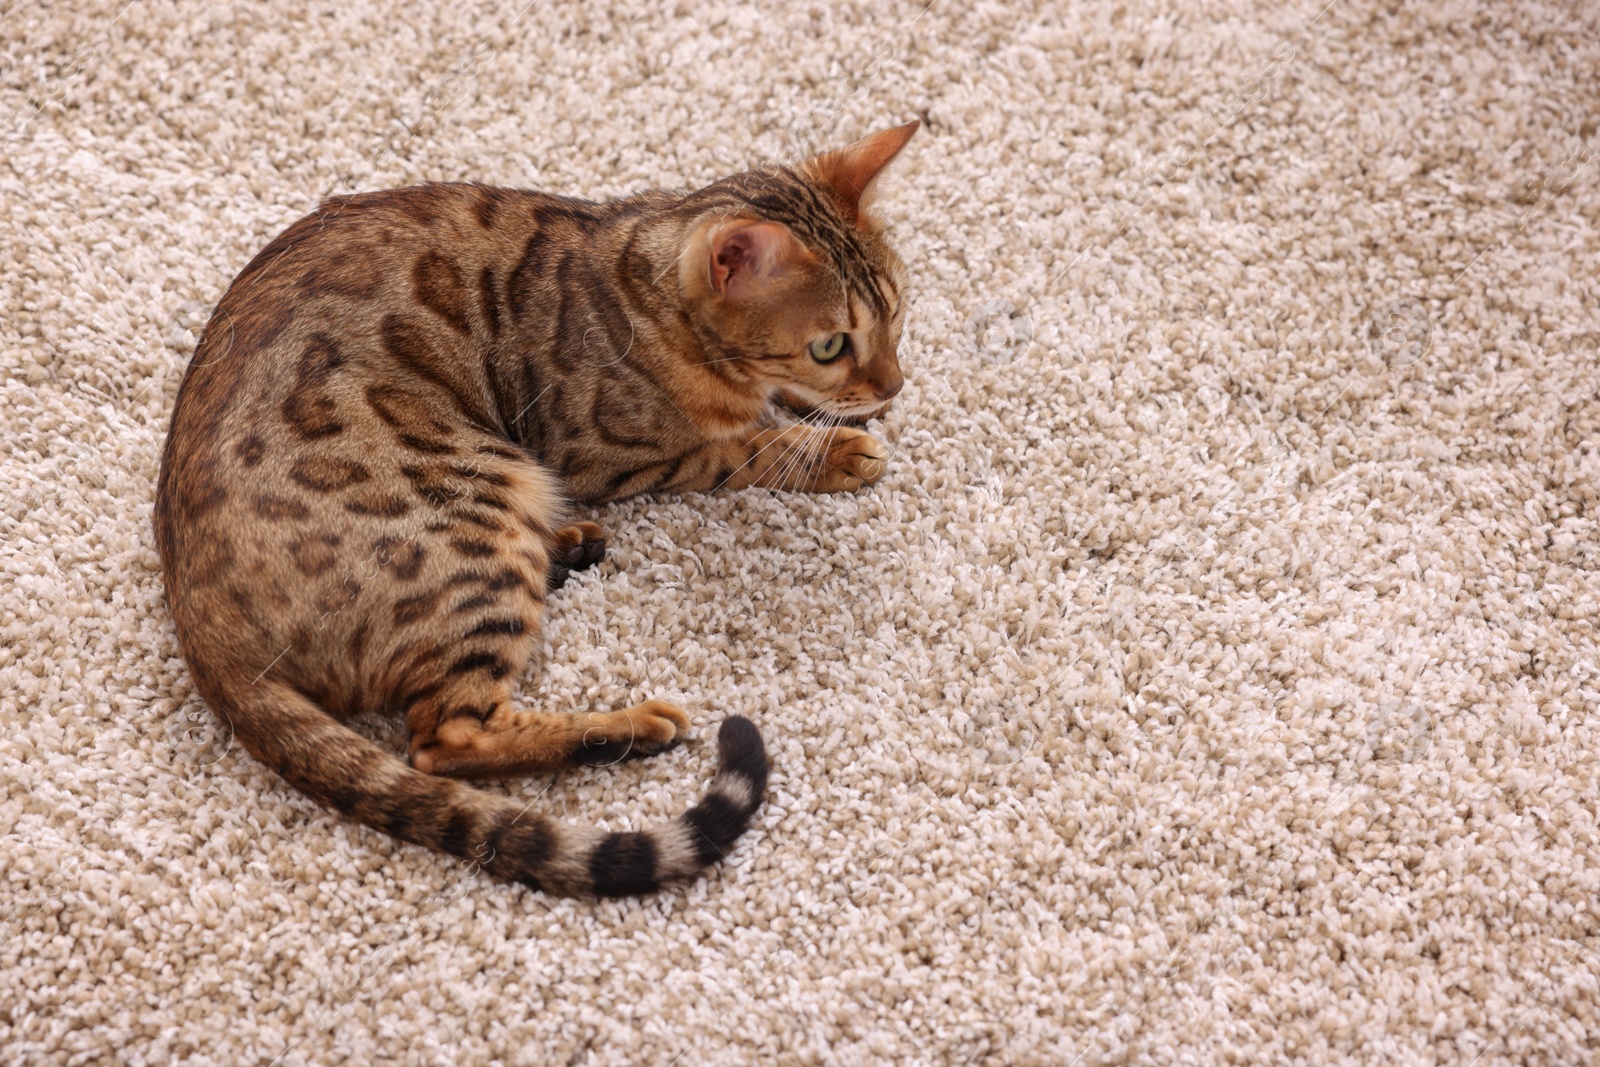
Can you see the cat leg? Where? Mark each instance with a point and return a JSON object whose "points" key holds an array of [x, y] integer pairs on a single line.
{"points": [[467, 626], [799, 457], [573, 548], [472, 730]]}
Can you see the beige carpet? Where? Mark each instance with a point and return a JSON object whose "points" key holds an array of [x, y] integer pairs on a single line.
{"points": [[1213, 679]]}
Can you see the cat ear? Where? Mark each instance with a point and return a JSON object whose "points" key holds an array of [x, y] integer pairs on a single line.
{"points": [[851, 170], [747, 257]]}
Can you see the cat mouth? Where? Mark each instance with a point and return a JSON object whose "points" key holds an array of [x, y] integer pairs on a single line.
{"points": [[854, 415]]}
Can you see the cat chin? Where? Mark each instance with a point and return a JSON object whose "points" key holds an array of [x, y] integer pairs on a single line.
{"points": [[804, 408], [862, 420]]}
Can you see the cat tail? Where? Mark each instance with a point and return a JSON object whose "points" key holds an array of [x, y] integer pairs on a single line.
{"points": [[345, 771]]}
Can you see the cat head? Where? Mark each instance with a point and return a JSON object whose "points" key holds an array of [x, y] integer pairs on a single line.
{"points": [[788, 270]]}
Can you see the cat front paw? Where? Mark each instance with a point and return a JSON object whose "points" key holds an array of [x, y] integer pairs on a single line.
{"points": [[855, 458]]}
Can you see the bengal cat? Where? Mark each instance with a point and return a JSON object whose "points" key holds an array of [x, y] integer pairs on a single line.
{"points": [[362, 498]]}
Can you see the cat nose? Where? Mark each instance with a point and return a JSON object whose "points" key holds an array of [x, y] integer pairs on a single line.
{"points": [[890, 386]]}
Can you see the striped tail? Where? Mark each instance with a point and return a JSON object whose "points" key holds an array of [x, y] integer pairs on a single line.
{"points": [[345, 771]]}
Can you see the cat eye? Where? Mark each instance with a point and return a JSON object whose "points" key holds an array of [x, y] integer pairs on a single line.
{"points": [[831, 348]]}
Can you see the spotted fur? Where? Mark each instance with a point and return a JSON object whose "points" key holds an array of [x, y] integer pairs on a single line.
{"points": [[362, 499]]}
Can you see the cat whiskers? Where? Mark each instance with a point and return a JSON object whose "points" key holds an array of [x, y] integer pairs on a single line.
{"points": [[794, 447], [753, 457], [794, 454], [806, 463], [817, 464], [724, 359]]}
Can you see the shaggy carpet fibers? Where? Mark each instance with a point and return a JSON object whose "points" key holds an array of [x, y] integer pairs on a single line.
{"points": [[1212, 679]]}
